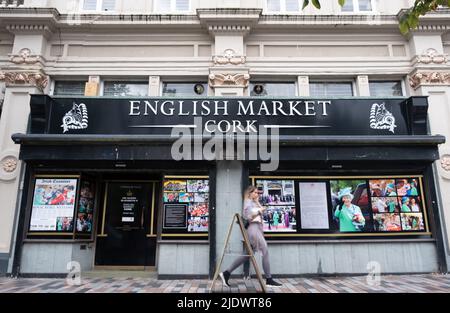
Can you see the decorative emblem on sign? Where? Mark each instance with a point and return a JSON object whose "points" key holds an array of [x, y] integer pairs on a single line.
{"points": [[381, 118], [77, 118]]}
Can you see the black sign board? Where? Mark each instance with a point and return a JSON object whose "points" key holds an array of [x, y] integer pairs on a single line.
{"points": [[296, 116], [175, 216]]}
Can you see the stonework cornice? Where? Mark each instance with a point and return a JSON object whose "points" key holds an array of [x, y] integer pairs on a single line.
{"points": [[25, 56], [229, 57], [227, 79], [235, 21], [429, 78], [432, 56], [33, 79], [40, 29]]}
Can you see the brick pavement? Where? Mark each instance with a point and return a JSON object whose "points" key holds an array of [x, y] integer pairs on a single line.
{"points": [[388, 284]]}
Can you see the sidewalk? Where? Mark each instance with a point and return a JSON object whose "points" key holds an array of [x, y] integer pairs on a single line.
{"points": [[430, 283]]}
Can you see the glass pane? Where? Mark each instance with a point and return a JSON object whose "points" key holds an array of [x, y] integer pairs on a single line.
{"points": [[292, 6], [386, 89], [69, 88], [365, 5], [273, 90], [325, 89], [273, 5], [90, 5], [163, 5], [348, 6], [123, 89], [182, 5], [109, 5], [184, 90]]}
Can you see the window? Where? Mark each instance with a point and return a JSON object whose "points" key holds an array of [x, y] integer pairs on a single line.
{"points": [[186, 205], [358, 6], [272, 89], [185, 89], [331, 89], [386, 88], [124, 89], [99, 5], [69, 88], [172, 6], [340, 206], [283, 6]]}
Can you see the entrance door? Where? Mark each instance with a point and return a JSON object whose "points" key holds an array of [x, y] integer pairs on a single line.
{"points": [[124, 236]]}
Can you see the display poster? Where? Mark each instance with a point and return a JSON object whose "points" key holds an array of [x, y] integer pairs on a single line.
{"points": [[314, 205], [129, 202], [186, 205], [278, 198], [85, 212], [53, 205], [175, 216]]}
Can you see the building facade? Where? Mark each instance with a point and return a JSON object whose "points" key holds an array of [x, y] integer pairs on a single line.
{"points": [[91, 91]]}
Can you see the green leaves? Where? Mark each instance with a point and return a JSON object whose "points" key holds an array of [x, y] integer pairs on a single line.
{"points": [[410, 20], [316, 3], [305, 4]]}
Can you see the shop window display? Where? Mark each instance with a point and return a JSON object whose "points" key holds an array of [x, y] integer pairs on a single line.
{"points": [[186, 206], [354, 206]]}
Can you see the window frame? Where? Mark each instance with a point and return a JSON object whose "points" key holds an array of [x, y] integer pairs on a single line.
{"points": [[98, 8], [330, 80], [261, 81], [283, 8], [181, 81], [356, 8], [173, 8], [125, 81], [401, 81], [67, 80]]}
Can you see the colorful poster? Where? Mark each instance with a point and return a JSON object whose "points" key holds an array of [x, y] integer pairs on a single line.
{"points": [[314, 206], [186, 205], [351, 209], [85, 215], [53, 205]]}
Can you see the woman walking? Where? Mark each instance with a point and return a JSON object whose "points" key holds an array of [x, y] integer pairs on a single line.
{"points": [[253, 212]]}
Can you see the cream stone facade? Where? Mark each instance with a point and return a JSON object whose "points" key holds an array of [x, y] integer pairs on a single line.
{"points": [[227, 45]]}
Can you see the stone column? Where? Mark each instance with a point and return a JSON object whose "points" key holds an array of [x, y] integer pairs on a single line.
{"points": [[362, 82], [229, 77], [16, 109], [431, 77], [23, 76]]}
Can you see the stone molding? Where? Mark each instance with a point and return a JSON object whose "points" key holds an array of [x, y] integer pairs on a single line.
{"points": [[41, 29], [24, 56], [34, 79], [9, 165], [444, 163], [431, 56], [429, 78], [233, 80], [229, 57]]}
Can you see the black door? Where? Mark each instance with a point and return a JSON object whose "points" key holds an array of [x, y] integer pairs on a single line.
{"points": [[124, 232]]}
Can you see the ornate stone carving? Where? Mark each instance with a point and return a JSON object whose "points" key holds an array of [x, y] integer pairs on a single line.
{"points": [[9, 164], [445, 163], [431, 56], [25, 57], [429, 78], [236, 80], [25, 78], [229, 57]]}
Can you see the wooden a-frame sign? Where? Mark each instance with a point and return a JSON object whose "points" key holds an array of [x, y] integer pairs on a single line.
{"points": [[238, 219]]}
